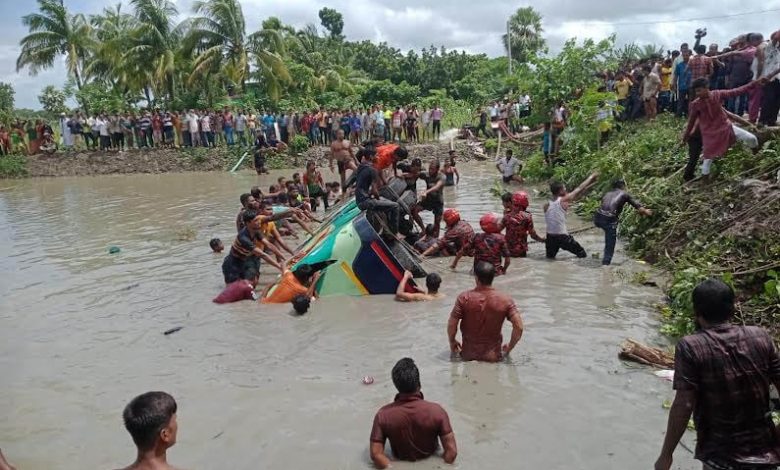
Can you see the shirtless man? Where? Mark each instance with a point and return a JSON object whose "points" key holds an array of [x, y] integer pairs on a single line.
{"points": [[432, 282], [341, 151], [151, 421]]}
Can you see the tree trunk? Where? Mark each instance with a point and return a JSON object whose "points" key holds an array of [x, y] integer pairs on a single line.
{"points": [[170, 89], [148, 97]]}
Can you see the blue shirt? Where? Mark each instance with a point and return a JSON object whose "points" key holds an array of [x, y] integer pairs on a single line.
{"points": [[268, 120], [683, 74]]}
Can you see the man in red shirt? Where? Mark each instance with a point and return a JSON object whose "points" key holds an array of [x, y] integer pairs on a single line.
{"points": [[457, 235], [242, 289], [489, 246], [481, 313], [387, 156], [412, 424], [722, 375], [519, 223]]}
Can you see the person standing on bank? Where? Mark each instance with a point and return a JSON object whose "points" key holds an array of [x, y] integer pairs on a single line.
{"points": [[411, 424], [722, 375], [608, 215]]}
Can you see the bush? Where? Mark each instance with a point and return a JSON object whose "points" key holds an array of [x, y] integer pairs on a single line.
{"points": [[13, 166]]}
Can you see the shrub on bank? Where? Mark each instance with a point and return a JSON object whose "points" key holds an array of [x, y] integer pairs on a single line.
{"points": [[13, 166], [728, 229]]}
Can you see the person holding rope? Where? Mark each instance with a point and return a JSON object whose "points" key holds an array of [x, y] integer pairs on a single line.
{"points": [[608, 214], [555, 211], [519, 223]]}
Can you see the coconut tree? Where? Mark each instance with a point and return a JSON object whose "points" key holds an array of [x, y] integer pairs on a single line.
{"points": [[268, 48], [218, 38], [525, 30], [155, 42], [54, 32], [113, 30]]}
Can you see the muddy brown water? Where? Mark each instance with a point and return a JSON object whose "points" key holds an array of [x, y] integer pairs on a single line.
{"points": [[81, 333]]}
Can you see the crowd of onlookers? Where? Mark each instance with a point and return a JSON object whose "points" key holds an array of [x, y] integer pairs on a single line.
{"points": [[663, 84], [211, 128]]}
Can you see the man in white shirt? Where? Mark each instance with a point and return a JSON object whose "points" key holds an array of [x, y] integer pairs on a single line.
{"points": [[193, 124], [510, 168]]}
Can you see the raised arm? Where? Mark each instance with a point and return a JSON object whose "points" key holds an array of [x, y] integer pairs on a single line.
{"points": [[400, 293], [313, 286], [582, 187]]}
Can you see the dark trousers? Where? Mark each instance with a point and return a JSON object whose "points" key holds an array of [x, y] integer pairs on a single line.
{"points": [[187, 137], [436, 128], [389, 208], [770, 105], [482, 128], [88, 139], [318, 193], [555, 242], [682, 103], [695, 147], [609, 225]]}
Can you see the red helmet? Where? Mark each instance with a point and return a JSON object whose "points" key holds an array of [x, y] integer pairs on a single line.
{"points": [[520, 199], [451, 216], [490, 223]]}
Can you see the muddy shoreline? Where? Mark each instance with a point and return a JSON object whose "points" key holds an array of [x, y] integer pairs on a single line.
{"points": [[145, 161]]}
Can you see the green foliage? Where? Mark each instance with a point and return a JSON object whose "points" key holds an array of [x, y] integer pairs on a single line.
{"points": [[53, 100], [388, 93], [6, 97], [96, 98], [13, 166], [566, 76], [725, 230], [298, 145], [332, 21], [525, 27]]}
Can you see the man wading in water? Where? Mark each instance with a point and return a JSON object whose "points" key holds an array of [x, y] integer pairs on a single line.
{"points": [[411, 424], [481, 313], [341, 151], [722, 374], [555, 216], [608, 215], [151, 421]]}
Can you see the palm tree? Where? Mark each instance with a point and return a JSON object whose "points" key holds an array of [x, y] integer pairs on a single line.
{"points": [[112, 32], [268, 47], [219, 38], [156, 41], [525, 29], [54, 32]]}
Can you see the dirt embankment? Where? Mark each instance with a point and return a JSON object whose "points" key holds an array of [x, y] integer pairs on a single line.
{"points": [[133, 161], [219, 159]]}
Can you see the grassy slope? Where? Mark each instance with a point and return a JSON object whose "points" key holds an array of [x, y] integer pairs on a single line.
{"points": [[728, 229]]}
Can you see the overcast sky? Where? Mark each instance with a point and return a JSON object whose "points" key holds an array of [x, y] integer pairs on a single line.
{"points": [[475, 26]]}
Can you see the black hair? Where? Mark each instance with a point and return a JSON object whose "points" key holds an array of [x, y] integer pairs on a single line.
{"points": [[406, 376], [700, 83], [556, 187], [251, 273], [430, 229], [255, 192], [713, 300], [401, 153], [301, 304], [618, 184], [146, 415], [366, 152], [506, 197], [248, 216], [214, 242], [436, 163], [547, 126], [303, 273], [296, 175], [700, 49], [243, 198], [485, 272], [416, 162], [675, 53], [432, 282], [509, 152]]}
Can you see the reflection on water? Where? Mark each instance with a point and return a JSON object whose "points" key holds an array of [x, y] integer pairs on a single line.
{"points": [[81, 334]]}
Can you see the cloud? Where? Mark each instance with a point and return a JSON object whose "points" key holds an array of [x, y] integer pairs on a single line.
{"points": [[473, 26]]}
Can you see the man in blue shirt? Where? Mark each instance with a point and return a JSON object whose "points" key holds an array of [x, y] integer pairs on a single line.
{"points": [[682, 82], [268, 124]]}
